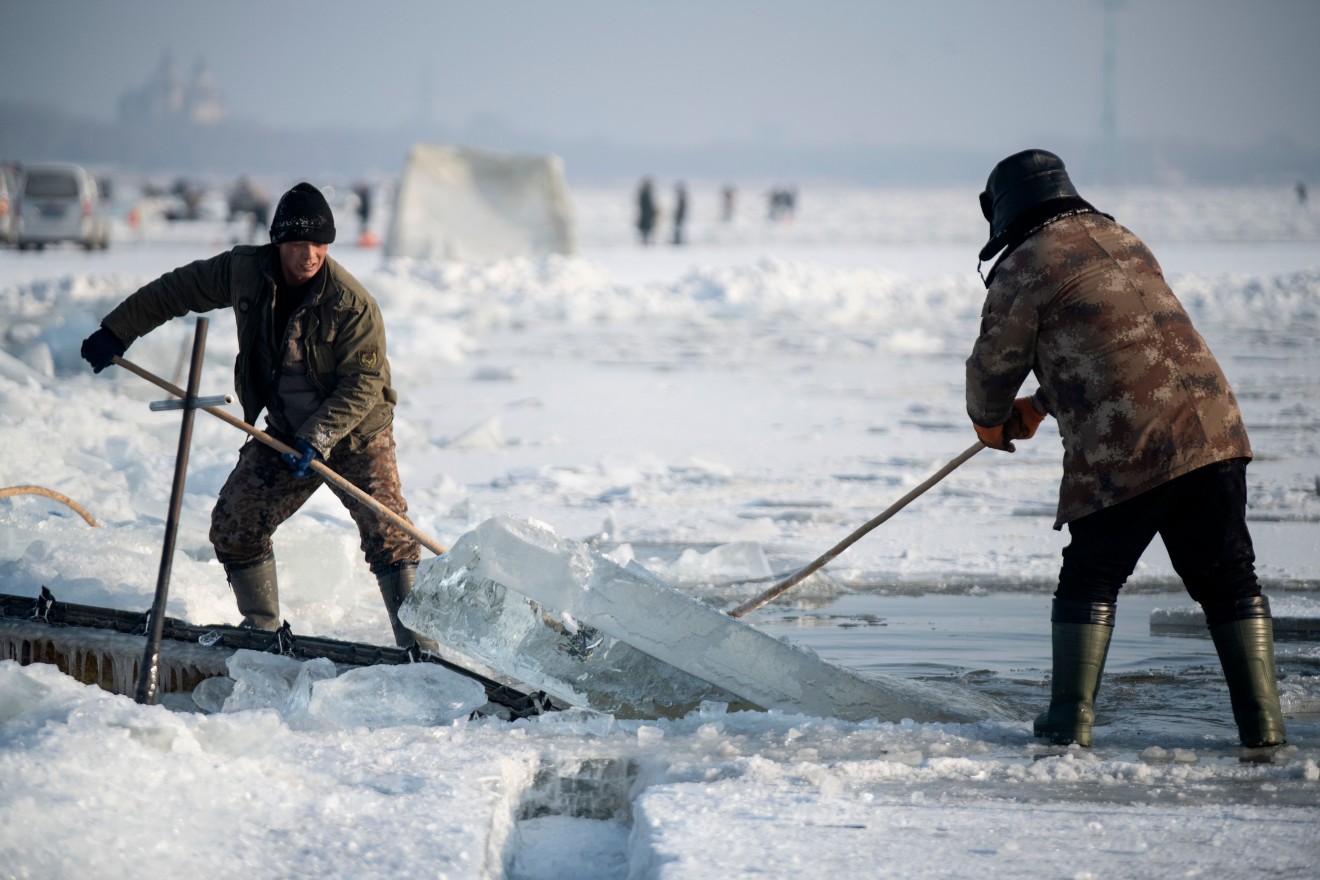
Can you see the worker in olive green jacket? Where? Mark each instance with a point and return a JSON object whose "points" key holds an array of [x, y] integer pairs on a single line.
{"points": [[1153, 441], [311, 353]]}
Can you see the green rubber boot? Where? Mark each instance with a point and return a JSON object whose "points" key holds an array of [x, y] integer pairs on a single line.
{"points": [[396, 584], [1243, 633], [257, 593], [1080, 633]]}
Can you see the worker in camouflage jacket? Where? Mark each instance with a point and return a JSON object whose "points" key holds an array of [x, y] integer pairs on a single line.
{"points": [[311, 353], [1152, 436]]}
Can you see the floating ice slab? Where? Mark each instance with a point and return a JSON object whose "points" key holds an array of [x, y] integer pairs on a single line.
{"points": [[1295, 617], [554, 614]]}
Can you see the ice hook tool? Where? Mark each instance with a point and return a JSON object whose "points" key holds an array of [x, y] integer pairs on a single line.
{"points": [[805, 572], [321, 469]]}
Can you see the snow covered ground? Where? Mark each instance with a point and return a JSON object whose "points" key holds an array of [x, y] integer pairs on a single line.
{"points": [[721, 412]]}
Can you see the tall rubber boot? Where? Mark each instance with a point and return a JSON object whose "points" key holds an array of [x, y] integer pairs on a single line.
{"points": [[396, 584], [1243, 633], [257, 593], [1080, 633]]}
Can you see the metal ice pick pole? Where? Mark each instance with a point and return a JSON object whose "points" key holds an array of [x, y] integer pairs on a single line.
{"points": [[149, 670]]}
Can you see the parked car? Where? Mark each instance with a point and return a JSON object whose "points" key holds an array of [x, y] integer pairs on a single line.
{"points": [[59, 202], [8, 205]]}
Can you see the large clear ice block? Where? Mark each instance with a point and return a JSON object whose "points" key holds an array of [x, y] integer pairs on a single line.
{"points": [[555, 614]]}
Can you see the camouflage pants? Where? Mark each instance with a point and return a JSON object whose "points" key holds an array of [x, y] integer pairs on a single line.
{"points": [[262, 492]]}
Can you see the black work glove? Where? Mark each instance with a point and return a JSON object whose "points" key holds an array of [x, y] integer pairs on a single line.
{"points": [[302, 461], [101, 348]]}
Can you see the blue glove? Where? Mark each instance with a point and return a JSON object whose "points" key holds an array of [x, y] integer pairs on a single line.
{"points": [[101, 348], [302, 461]]}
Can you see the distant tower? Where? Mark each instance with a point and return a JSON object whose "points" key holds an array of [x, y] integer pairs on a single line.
{"points": [[1110, 165], [426, 97], [203, 103], [164, 98]]}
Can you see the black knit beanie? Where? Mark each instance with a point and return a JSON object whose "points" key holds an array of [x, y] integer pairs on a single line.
{"points": [[303, 214]]}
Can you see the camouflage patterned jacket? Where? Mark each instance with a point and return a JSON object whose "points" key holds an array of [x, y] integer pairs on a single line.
{"points": [[342, 338], [1139, 398]]}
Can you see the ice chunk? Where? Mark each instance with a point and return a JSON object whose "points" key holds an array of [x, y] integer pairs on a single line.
{"points": [[390, 696], [211, 693], [483, 437], [258, 680], [468, 600], [742, 559], [300, 692], [313, 694], [499, 631], [261, 681]]}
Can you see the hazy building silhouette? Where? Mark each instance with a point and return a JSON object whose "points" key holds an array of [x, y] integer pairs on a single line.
{"points": [[166, 97]]}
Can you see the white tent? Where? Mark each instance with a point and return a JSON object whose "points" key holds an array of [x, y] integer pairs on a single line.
{"points": [[460, 203]]}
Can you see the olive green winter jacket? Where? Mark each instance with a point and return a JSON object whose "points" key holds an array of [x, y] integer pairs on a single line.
{"points": [[344, 337], [1138, 395]]}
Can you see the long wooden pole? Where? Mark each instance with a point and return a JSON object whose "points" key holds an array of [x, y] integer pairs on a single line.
{"points": [[328, 475], [803, 573]]}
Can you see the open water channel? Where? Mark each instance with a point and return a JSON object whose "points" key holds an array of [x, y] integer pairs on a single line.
{"points": [[1157, 687]]}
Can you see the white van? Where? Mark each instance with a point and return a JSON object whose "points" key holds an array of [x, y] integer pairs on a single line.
{"points": [[8, 205], [59, 202]]}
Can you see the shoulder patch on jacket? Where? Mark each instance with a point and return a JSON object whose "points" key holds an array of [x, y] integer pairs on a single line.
{"points": [[368, 358]]}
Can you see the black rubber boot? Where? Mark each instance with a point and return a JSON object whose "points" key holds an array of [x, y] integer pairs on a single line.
{"points": [[257, 593], [1081, 633], [396, 584], [1243, 633]]}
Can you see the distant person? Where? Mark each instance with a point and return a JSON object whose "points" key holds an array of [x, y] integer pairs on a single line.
{"points": [[646, 211], [1153, 440], [1301, 193], [363, 193], [680, 211], [311, 353], [783, 202], [260, 210], [363, 197], [789, 211], [727, 198], [190, 201], [249, 199]]}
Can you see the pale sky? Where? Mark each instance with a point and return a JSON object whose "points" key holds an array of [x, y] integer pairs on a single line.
{"points": [[691, 72]]}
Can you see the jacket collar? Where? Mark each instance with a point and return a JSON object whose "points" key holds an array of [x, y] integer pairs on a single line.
{"points": [[1034, 219]]}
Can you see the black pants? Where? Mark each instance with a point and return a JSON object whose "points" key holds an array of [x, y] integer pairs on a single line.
{"points": [[1200, 516]]}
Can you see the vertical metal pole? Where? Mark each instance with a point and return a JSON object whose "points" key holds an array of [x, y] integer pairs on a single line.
{"points": [[149, 670], [1110, 166]]}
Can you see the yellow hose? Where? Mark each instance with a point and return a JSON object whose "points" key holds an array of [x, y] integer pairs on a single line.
{"points": [[51, 493]]}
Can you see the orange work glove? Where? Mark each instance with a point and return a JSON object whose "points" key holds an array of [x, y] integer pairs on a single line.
{"points": [[1022, 422], [994, 437]]}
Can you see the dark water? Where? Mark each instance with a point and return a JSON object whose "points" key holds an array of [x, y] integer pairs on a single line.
{"points": [[1168, 687]]}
